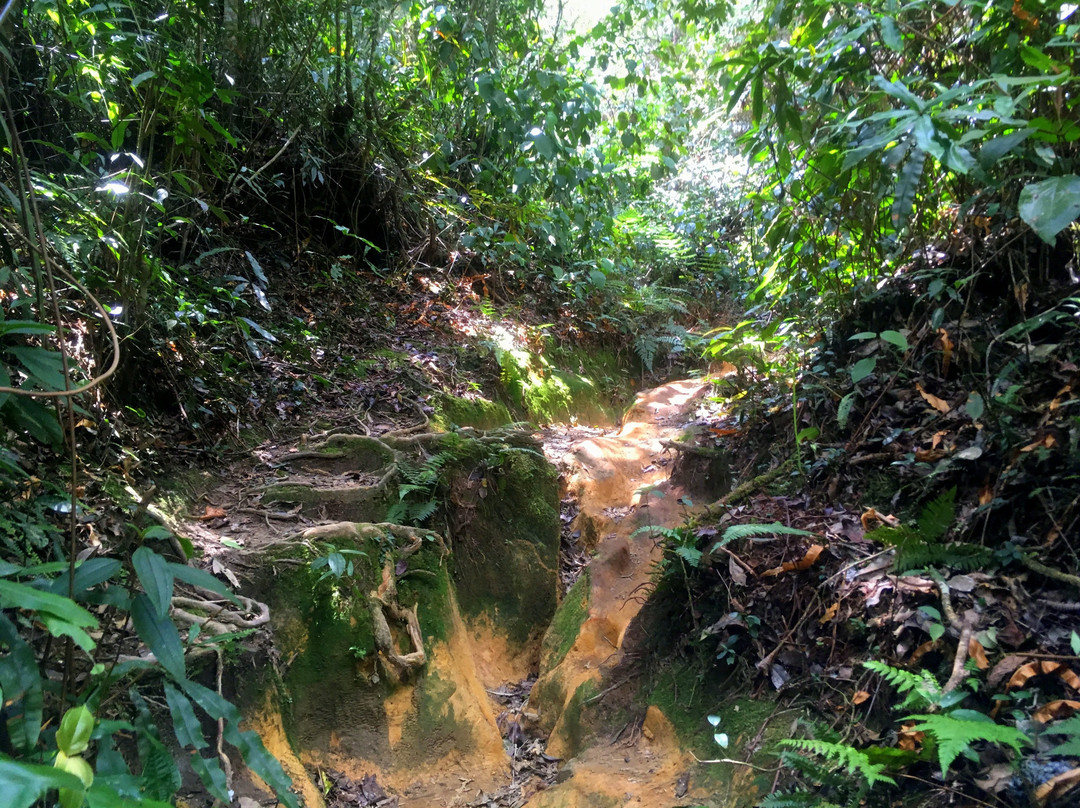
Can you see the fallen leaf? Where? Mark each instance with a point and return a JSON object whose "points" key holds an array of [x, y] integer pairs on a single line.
{"points": [[859, 697], [796, 566], [928, 455], [870, 516], [213, 512], [1057, 787], [723, 433], [938, 436], [909, 740], [1044, 667], [939, 404], [830, 614], [986, 493], [946, 351], [997, 778], [737, 573], [1003, 668], [922, 650], [978, 653], [1047, 441], [1060, 395], [1062, 708]]}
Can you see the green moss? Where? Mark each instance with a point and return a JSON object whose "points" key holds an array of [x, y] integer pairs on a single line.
{"points": [[506, 539], [573, 726], [478, 412], [564, 628]]}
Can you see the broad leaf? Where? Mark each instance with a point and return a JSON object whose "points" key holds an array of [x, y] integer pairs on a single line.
{"points": [[76, 727], [156, 578], [202, 579], [160, 636], [189, 734], [1051, 205], [22, 784]]}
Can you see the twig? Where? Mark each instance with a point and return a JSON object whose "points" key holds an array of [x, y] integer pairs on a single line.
{"points": [[733, 762]]}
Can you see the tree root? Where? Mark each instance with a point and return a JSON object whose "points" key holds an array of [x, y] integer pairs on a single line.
{"points": [[750, 486]]}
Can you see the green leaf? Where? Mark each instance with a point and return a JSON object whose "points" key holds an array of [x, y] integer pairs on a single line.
{"points": [[899, 91], [974, 406], [1050, 206], [61, 615], [139, 79], [156, 578], [250, 745], [20, 685], [22, 784], [890, 35], [159, 634], [895, 338], [189, 734], [201, 578], [76, 727], [953, 736], [691, 555], [863, 368], [843, 410], [24, 327], [542, 144], [45, 366], [907, 187], [103, 794]]}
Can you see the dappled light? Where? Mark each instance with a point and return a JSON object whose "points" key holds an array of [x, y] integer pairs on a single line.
{"points": [[507, 403]]}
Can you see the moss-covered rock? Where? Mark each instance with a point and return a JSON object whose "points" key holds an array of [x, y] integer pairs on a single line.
{"points": [[565, 625]]}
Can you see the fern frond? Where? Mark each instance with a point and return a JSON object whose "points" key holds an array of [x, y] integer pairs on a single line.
{"points": [[645, 344], [795, 799], [954, 736], [922, 688], [423, 511], [691, 555], [935, 519], [843, 756], [748, 531]]}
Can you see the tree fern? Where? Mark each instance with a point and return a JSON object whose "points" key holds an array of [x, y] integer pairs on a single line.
{"points": [[954, 735], [843, 756]]}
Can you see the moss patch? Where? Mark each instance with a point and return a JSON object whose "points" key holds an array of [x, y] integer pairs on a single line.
{"points": [[478, 412], [564, 628], [505, 537]]}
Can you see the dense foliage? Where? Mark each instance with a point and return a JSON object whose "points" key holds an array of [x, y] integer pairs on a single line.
{"points": [[172, 177]]}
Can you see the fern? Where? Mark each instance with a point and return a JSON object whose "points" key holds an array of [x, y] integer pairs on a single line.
{"points": [[736, 532], [796, 799], [922, 688], [1070, 728], [645, 345], [843, 756], [954, 736], [920, 546]]}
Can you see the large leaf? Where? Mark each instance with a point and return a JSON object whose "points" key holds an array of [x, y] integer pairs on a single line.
{"points": [[22, 784], [43, 365], [159, 634], [250, 745], [106, 795], [88, 574], [189, 734], [1051, 205], [201, 578], [20, 683], [156, 578], [61, 615]]}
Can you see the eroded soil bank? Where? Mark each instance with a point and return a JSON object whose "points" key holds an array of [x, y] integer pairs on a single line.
{"points": [[448, 664]]}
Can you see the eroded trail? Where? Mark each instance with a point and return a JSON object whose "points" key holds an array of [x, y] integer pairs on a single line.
{"points": [[472, 725], [622, 486]]}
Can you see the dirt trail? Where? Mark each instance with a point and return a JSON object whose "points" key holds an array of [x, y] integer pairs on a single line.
{"points": [[621, 483]]}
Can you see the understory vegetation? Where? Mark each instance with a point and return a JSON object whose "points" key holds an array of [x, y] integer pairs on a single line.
{"points": [[221, 221]]}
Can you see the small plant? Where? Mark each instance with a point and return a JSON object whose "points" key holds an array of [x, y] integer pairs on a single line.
{"points": [[922, 546]]}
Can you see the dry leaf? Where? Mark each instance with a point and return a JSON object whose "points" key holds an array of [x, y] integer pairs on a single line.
{"points": [[946, 351], [922, 650], [735, 570], [986, 493], [830, 614], [1043, 668], [978, 653], [1003, 668], [723, 433], [936, 440], [1060, 394], [1062, 708], [928, 455], [1057, 787], [908, 740], [870, 516], [939, 404], [1047, 441], [859, 697], [213, 512], [797, 566]]}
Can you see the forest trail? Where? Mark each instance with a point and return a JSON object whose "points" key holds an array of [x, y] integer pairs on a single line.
{"points": [[620, 484]]}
